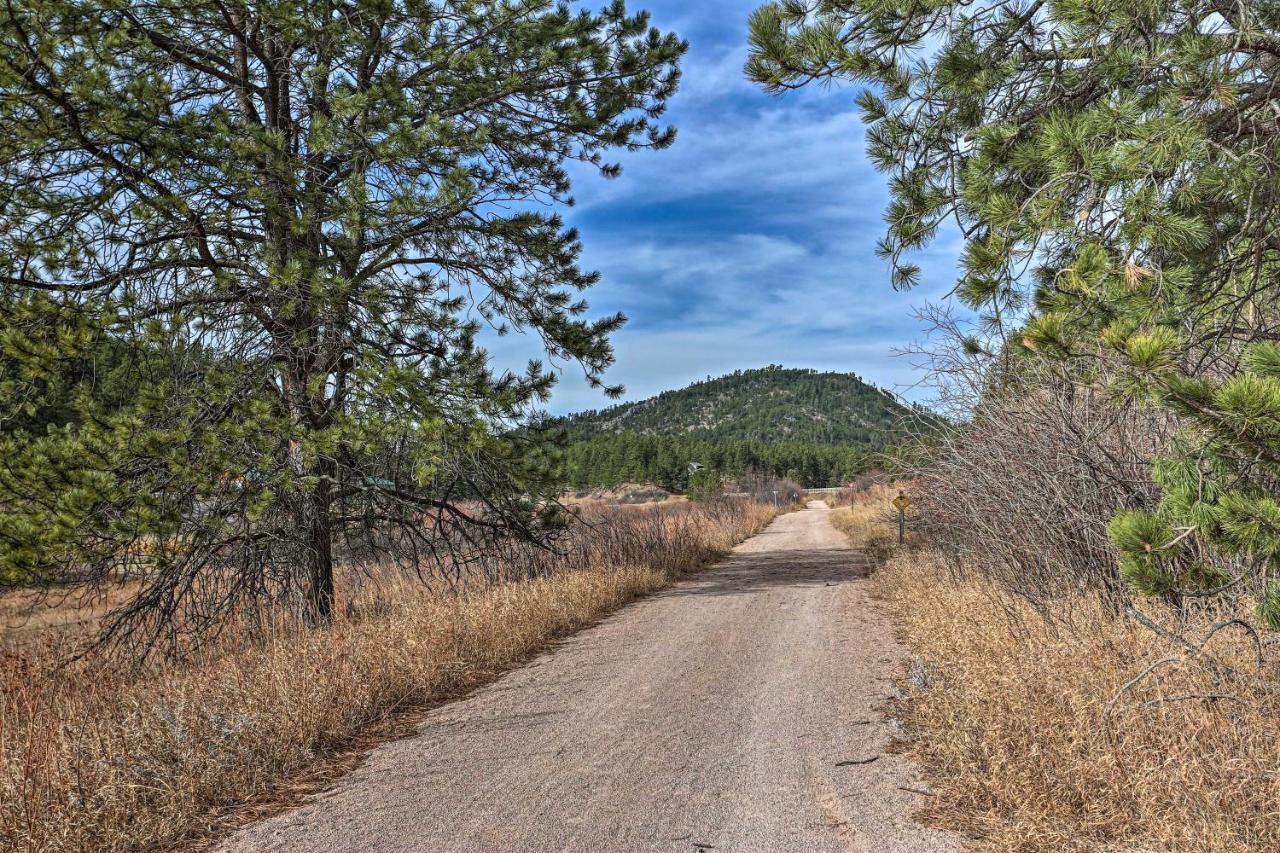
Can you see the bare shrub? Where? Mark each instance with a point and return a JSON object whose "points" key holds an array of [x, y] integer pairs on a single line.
{"points": [[769, 488], [1048, 721], [1024, 480]]}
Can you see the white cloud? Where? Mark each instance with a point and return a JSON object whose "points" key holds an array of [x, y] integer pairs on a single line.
{"points": [[750, 241], [708, 308], [776, 148]]}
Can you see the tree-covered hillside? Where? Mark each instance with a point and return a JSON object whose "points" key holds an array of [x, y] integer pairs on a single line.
{"points": [[817, 428], [772, 404]]}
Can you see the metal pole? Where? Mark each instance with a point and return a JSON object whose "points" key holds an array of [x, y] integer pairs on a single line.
{"points": [[902, 526]]}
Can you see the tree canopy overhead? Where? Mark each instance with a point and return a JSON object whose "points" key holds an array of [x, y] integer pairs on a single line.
{"points": [[1114, 169], [298, 217]]}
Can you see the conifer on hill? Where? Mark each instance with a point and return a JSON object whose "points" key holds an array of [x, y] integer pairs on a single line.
{"points": [[293, 217], [1114, 169]]}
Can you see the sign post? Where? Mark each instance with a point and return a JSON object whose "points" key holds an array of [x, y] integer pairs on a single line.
{"points": [[900, 503]]}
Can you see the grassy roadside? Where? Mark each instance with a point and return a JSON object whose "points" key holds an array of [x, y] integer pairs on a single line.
{"points": [[1073, 728], [867, 520], [97, 758]]}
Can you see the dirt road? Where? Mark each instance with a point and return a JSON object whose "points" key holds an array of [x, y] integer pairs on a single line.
{"points": [[734, 712]]}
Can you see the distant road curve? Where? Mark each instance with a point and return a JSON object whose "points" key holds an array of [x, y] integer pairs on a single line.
{"points": [[734, 712]]}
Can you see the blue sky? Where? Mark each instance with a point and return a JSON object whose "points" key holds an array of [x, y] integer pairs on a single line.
{"points": [[750, 241]]}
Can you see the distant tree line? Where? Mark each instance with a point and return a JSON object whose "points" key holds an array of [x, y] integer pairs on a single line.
{"points": [[607, 460]]}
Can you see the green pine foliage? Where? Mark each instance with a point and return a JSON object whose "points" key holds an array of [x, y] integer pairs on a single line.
{"points": [[771, 404], [287, 222], [817, 428], [704, 485], [1115, 171], [665, 460]]}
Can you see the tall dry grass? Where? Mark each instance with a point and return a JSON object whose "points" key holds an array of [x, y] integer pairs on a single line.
{"points": [[1073, 727], [868, 518], [96, 757]]}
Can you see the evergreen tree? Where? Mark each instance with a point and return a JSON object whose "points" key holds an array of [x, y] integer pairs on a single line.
{"points": [[771, 404], [1115, 171], [612, 459], [329, 198], [704, 485]]}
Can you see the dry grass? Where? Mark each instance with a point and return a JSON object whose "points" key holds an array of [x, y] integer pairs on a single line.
{"points": [[94, 757], [33, 614], [869, 520], [1032, 741]]}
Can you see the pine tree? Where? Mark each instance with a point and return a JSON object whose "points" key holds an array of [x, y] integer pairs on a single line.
{"points": [[1114, 169], [328, 198]]}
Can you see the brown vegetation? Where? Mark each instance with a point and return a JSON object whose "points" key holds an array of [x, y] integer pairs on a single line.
{"points": [[868, 519], [1058, 723], [865, 487], [624, 493], [95, 756], [1027, 487], [28, 614]]}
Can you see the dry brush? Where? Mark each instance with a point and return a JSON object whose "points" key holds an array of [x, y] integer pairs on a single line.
{"points": [[94, 755], [1053, 721]]}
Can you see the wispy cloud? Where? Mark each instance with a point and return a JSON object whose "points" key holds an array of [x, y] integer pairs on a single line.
{"points": [[749, 242]]}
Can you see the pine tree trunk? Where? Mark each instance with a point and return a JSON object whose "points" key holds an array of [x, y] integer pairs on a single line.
{"points": [[319, 556], [317, 531]]}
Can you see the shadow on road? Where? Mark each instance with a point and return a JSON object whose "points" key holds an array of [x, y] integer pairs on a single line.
{"points": [[769, 569]]}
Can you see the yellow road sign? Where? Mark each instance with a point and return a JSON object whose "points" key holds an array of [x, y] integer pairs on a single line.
{"points": [[901, 502]]}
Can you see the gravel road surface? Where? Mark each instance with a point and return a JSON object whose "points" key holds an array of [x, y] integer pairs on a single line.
{"points": [[733, 712]]}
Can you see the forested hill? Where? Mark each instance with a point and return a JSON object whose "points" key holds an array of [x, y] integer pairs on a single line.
{"points": [[817, 428], [772, 404]]}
